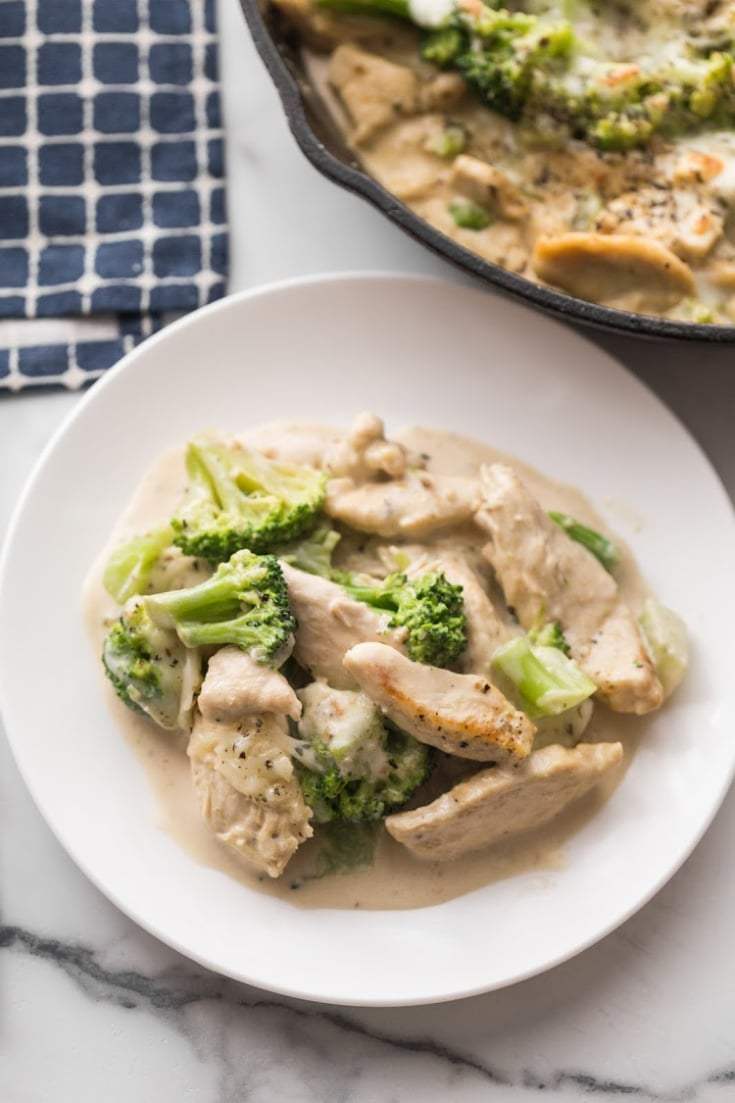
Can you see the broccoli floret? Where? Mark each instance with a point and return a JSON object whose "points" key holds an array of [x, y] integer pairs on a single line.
{"points": [[149, 668], [600, 546], [236, 498], [350, 765], [314, 552], [506, 51], [444, 46], [244, 603], [129, 567], [429, 607], [543, 679]]}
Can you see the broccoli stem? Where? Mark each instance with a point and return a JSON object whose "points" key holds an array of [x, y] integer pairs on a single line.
{"points": [[600, 546], [546, 681], [205, 466], [665, 638], [129, 567], [212, 600], [371, 595]]}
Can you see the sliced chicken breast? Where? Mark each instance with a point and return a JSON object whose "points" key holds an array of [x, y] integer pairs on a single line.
{"points": [[546, 576], [236, 686], [329, 623], [377, 486], [462, 714], [247, 790], [413, 505], [620, 665], [497, 803]]}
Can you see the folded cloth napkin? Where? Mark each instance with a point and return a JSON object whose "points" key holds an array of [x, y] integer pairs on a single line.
{"points": [[112, 212]]}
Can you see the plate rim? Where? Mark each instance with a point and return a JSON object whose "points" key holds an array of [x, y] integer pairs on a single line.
{"points": [[194, 318]]}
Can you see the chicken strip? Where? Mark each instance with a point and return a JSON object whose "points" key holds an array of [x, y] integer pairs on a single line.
{"points": [[247, 790], [414, 505], [330, 622], [497, 803], [236, 686], [461, 714], [374, 91], [377, 487], [546, 576]]}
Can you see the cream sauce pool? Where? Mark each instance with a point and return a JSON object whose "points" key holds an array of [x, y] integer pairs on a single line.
{"points": [[396, 879]]}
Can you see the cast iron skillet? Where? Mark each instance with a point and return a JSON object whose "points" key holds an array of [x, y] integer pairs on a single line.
{"points": [[321, 141]]}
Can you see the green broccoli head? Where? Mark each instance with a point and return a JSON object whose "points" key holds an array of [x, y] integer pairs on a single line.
{"points": [[508, 48], [236, 498], [244, 603], [351, 766], [442, 47], [429, 607], [149, 668]]}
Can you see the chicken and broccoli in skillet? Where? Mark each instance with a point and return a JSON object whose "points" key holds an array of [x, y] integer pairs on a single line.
{"points": [[354, 634], [585, 144]]}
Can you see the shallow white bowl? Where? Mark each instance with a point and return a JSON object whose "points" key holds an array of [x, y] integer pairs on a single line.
{"points": [[417, 351]]}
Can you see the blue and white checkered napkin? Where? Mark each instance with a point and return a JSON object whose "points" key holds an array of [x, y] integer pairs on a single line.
{"points": [[112, 210]]}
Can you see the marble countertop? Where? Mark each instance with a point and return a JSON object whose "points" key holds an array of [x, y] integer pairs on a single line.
{"points": [[94, 1009]]}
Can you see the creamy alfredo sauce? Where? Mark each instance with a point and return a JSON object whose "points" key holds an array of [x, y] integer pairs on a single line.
{"points": [[396, 880]]}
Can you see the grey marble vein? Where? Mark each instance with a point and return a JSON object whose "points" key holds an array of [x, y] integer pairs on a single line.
{"points": [[178, 990]]}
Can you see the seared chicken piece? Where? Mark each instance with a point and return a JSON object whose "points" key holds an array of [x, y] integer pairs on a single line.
{"points": [[236, 686], [619, 664], [415, 505], [378, 487], [364, 453], [247, 790], [461, 714], [619, 270], [408, 167], [497, 803], [487, 186], [373, 90], [546, 576], [329, 623]]}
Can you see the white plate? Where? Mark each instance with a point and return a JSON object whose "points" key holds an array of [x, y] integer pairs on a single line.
{"points": [[418, 351]]}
